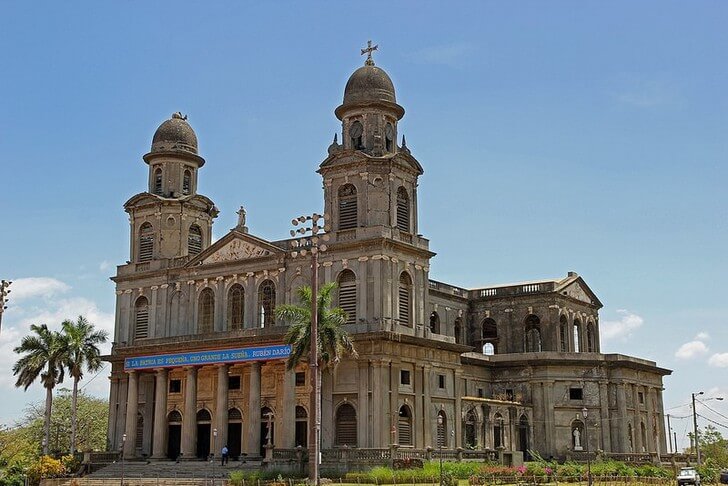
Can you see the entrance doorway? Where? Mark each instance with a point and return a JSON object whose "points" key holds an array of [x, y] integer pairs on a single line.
{"points": [[523, 434], [204, 421], [235, 433], [174, 434], [266, 415]]}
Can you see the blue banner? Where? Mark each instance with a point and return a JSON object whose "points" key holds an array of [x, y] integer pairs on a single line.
{"points": [[212, 356]]}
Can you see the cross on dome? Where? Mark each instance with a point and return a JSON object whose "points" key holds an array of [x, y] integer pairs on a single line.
{"points": [[368, 51]]}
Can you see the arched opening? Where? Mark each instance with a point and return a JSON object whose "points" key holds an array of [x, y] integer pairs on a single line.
{"points": [[563, 334], [346, 426], [236, 307], [405, 292], [146, 242], [389, 138], [630, 437], [206, 312], [441, 429], [591, 342], [404, 426], [577, 435], [489, 330], [643, 436], [523, 435], [435, 322], [187, 183], [471, 423], [194, 240], [266, 303], [356, 133], [532, 336], [577, 335], [235, 433], [458, 330], [158, 181], [204, 423], [301, 427], [498, 431], [141, 318], [174, 434], [348, 212], [403, 210], [347, 295], [267, 429]]}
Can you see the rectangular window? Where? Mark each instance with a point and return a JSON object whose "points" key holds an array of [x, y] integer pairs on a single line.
{"points": [[510, 396], [175, 386], [404, 377], [441, 381], [480, 393], [301, 378], [233, 382], [641, 397], [576, 394]]}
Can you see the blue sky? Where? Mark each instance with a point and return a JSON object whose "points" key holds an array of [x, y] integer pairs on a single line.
{"points": [[584, 136]]}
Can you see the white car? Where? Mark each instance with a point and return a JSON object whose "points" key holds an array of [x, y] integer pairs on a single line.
{"points": [[688, 475]]}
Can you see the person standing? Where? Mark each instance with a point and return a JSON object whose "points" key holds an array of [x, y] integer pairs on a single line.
{"points": [[224, 455]]}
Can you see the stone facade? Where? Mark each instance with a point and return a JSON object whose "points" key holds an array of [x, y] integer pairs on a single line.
{"points": [[508, 366]]}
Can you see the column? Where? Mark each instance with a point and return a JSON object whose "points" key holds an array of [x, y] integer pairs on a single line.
{"points": [[153, 332], [427, 405], [394, 401], [420, 410], [379, 427], [661, 421], [220, 298], [362, 419], [221, 408], [652, 421], [327, 409], [191, 324], [636, 422], [111, 440], [458, 418], [159, 442], [539, 418], [549, 416], [604, 428], [622, 418], [286, 430], [189, 419], [253, 424], [132, 404]]}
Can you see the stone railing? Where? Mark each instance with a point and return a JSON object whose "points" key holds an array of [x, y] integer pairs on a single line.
{"points": [[529, 288]]}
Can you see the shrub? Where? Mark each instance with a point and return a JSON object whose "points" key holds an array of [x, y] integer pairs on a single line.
{"points": [[45, 467]]}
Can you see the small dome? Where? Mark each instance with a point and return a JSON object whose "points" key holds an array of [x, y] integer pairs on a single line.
{"points": [[369, 83], [175, 134]]}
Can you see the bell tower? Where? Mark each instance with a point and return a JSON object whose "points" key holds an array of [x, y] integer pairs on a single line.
{"points": [[171, 220]]}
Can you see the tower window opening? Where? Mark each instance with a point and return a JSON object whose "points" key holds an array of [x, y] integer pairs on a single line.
{"points": [[146, 242], [187, 183], [141, 318], [347, 295], [194, 240], [405, 291], [158, 181], [403, 210], [389, 138], [356, 133], [348, 211]]}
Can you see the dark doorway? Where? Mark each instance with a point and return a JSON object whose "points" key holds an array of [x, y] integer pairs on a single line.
{"points": [[301, 427], [523, 434], [204, 421], [174, 434], [265, 432], [235, 438]]}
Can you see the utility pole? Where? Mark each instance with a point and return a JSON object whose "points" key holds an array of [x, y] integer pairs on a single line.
{"points": [[695, 428], [4, 291], [669, 436]]}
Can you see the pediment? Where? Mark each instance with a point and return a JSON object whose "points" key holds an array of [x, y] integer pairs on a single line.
{"points": [[235, 246], [579, 290]]}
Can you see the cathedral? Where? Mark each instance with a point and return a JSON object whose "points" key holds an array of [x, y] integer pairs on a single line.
{"points": [[198, 359]]}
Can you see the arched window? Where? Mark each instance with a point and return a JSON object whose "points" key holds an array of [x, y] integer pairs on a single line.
{"points": [[348, 215], [458, 330], [498, 431], [235, 415], [435, 323], [404, 426], [591, 342], [389, 138], [471, 421], [206, 311], [174, 418], [266, 303], [563, 334], [203, 416], [490, 336], [236, 307], [301, 427], [347, 295], [146, 242], [356, 132], [441, 429], [533, 334], [141, 318], [194, 240], [158, 181], [577, 335], [346, 425], [187, 183], [403, 210], [405, 293]]}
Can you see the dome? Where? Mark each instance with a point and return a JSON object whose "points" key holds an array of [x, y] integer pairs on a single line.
{"points": [[369, 83], [175, 134]]}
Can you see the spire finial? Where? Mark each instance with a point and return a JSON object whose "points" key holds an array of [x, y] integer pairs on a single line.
{"points": [[368, 51], [336, 138], [179, 116], [404, 142]]}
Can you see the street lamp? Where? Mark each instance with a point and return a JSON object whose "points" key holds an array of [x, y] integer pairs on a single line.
{"points": [[695, 423], [4, 291], [123, 445], [212, 456], [312, 244], [585, 413]]}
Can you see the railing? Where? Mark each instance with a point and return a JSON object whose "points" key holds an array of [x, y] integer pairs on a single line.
{"points": [[447, 289], [531, 288]]}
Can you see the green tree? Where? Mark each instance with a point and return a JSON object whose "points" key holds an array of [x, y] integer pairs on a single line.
{"points": [[333, 341], [713, 446], [81, 352], [42, 357]]}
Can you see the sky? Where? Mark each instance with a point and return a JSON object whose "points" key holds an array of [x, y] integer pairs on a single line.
{"points": [[562, 136]]}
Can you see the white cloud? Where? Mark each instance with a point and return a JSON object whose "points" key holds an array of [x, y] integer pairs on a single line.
{"points": [[702, 336], [623, 328], [450, 54], [104, 266], [691, 350], [719, 360], [25, 288]]}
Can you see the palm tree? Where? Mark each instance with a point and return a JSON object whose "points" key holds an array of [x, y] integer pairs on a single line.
{"points": [[43, 356], [81, 342], [334, 341]]}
